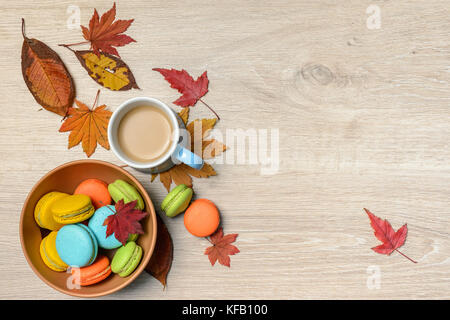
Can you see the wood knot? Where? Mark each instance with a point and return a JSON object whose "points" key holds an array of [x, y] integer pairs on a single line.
{"points": [[317, 74]]}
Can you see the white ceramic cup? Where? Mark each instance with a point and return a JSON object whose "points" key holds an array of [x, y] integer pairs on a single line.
{"points": [[178, 151]]}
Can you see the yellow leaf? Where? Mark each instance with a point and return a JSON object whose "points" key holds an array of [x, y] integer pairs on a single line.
{"points": [[200, 129], [107, 70], [184, 115]]}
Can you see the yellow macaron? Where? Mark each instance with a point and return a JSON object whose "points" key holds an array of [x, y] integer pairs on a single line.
{"points": [[72, 209], [42, 212], [49, 254]]}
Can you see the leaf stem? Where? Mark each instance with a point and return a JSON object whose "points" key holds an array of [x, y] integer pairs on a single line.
{"points": [[218, 118], [406, 256], [73, 44], [23, 28], [96, 98], [66, 46]]}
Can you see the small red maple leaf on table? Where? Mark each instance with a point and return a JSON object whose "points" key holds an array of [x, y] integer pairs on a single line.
{"points": [[191, 90], [221, 247], [392, 240]]}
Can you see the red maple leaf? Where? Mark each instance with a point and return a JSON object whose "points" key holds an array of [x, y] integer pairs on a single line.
{"points": [[125, 221], [392, 240], [221, 248], [104, 33], [191, 90]]}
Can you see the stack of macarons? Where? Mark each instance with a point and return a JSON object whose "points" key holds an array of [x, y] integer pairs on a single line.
{"points": [[201, 217], [78, 240]]}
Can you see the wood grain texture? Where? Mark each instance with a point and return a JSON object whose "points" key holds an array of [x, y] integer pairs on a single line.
{"points": [[363, 119]]}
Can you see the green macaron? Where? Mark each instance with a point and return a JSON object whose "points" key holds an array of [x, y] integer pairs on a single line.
{"points": [[126, 259], [133, 237], [177, 200], [121, 190]]}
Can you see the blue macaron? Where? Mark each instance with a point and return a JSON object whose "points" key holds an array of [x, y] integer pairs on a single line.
{"points": [[76, 245], [97, 227]]}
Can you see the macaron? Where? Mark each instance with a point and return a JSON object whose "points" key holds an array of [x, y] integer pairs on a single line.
{"points": [[126, 259], [49, 254], [96, 272], [95, 189], [121, 190], [76, 245], [99, 230], [96, 226], [202, 218], [133, 237], [177, 200], [72, 209], [42, 213]]}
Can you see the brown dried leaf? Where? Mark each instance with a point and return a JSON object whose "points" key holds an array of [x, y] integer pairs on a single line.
{"points": [[46, 76], [161, 260]]}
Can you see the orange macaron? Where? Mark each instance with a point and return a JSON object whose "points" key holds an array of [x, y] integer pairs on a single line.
{"points": [[92, 274], [95, 189], [202, 218]]}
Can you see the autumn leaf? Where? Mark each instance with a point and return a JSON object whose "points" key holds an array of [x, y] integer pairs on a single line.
{"points": [[191, 90], [107, 70], [46, 76], [161, 260], [182, 173], [221, 247], [104, 33], [184, 115], [87, 126], [391, 240], [125, 221]]}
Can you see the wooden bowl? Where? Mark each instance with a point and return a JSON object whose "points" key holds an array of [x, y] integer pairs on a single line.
{"points": [[65, 178]]}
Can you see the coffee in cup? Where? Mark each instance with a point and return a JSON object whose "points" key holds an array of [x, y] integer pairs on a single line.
{"points": [[149, 136], [145, 133]]}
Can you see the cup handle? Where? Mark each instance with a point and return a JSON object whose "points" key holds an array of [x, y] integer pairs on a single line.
{"points": [[188, 157]]}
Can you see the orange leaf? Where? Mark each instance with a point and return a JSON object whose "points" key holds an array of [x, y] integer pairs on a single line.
{"points": [[104, 33], [46, 76], [87, 126]]}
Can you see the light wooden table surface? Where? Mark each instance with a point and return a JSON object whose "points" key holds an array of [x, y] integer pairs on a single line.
{"points": [[363, 120]]}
